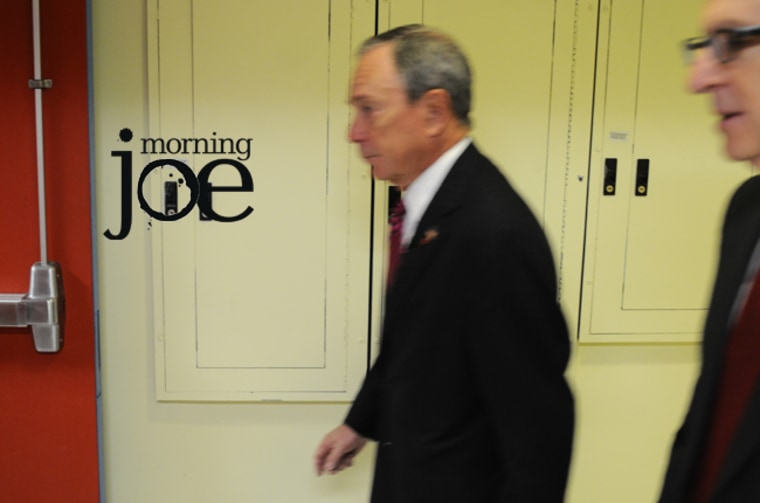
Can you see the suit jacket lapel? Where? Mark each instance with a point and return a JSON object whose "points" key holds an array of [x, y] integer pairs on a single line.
{"points": [[735, 256], [433, 229], [740, 238]]}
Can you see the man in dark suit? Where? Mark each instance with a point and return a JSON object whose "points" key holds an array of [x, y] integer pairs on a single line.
{"points": [[467, 399], [716, 453]]}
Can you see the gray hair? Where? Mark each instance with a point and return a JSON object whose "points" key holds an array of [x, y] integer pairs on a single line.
{"points": [[429, 59]]}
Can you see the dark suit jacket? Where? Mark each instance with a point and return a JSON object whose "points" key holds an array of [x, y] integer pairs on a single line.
{"points": [[467, 398], [739, 478]]}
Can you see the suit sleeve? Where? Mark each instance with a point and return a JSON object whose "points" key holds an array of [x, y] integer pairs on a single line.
{"points": [[363, 414], [519, 348]]}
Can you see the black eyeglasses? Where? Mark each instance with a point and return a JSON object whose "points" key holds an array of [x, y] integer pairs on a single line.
{"points": [[726, 43]]}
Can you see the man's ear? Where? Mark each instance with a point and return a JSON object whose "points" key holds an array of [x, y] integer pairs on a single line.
{"points": [[436, 107]]}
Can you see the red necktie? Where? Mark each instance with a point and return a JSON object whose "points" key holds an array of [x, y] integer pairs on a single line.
{"points": [[741, 369], [397, 224]]}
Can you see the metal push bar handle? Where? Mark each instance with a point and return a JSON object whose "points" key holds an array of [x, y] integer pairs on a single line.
{"points": [[42, 308]]}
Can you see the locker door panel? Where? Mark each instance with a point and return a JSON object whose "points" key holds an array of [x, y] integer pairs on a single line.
{"points": [[652, 245], [271, 305]]}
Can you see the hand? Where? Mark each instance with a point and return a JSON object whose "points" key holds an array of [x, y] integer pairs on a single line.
{"points": [[338, 449]]}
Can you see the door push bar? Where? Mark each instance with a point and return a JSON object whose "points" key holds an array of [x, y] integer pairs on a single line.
{"points": [[43, 307]]}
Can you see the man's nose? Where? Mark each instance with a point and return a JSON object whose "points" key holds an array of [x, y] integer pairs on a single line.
{"points": [[356, 132], [706, 71]]}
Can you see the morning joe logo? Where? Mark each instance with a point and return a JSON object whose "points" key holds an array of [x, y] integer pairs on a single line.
{"points": [[200, 188]]}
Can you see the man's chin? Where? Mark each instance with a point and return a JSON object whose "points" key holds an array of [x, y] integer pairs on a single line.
{"points": [[378, 173], [740, 152]]}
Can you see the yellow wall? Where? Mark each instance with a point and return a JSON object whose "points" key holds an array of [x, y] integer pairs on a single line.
{"points": [[630, 398]]}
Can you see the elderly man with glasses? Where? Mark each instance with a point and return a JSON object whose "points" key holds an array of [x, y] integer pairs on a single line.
{"points": [[716, 453]]}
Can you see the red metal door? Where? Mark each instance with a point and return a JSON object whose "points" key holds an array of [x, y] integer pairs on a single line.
{"points": [[48, 426]]}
